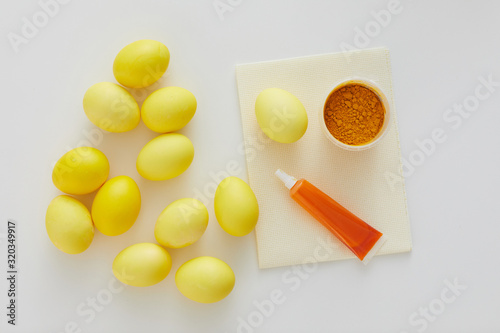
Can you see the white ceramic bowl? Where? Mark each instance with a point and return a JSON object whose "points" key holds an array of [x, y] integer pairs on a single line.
{"points": [[387, 117]]}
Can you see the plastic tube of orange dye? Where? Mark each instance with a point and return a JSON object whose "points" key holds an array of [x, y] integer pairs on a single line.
{"points": [[362, 239]]}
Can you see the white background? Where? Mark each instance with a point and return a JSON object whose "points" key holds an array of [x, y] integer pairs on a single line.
{"points": [[438, 50]]}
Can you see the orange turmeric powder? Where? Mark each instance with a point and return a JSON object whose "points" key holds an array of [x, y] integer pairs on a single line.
{"points": [[354, 114]]}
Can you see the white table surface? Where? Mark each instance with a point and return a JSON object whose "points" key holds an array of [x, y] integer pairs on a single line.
{"points": [[439, 49]]}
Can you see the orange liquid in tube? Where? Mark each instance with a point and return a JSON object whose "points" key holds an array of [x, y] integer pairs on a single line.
{"points": [[361, 238]]}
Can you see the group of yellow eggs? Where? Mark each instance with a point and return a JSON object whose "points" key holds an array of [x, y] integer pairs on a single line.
{"points": [[116, 206]]}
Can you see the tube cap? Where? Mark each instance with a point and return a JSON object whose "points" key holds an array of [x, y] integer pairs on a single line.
{"points": [[288, 180]]}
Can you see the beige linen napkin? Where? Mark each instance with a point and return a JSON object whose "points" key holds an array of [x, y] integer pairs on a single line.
{"points": [[368, 183]]}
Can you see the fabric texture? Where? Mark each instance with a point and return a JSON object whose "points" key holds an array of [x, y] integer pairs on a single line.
{"points": [[368, 183]]}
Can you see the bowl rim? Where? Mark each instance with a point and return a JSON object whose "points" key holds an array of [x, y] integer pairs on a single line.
{"points": [[382, 97]]}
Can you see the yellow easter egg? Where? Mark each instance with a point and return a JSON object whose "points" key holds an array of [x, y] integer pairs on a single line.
{"points": [[116, 206], [142, 265], [111, 107], [205, 279], [182, 223], [80, 171], [236, 206], [141, 63], [165, 157], [69, 224], [281, 115], [168, 109]]}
